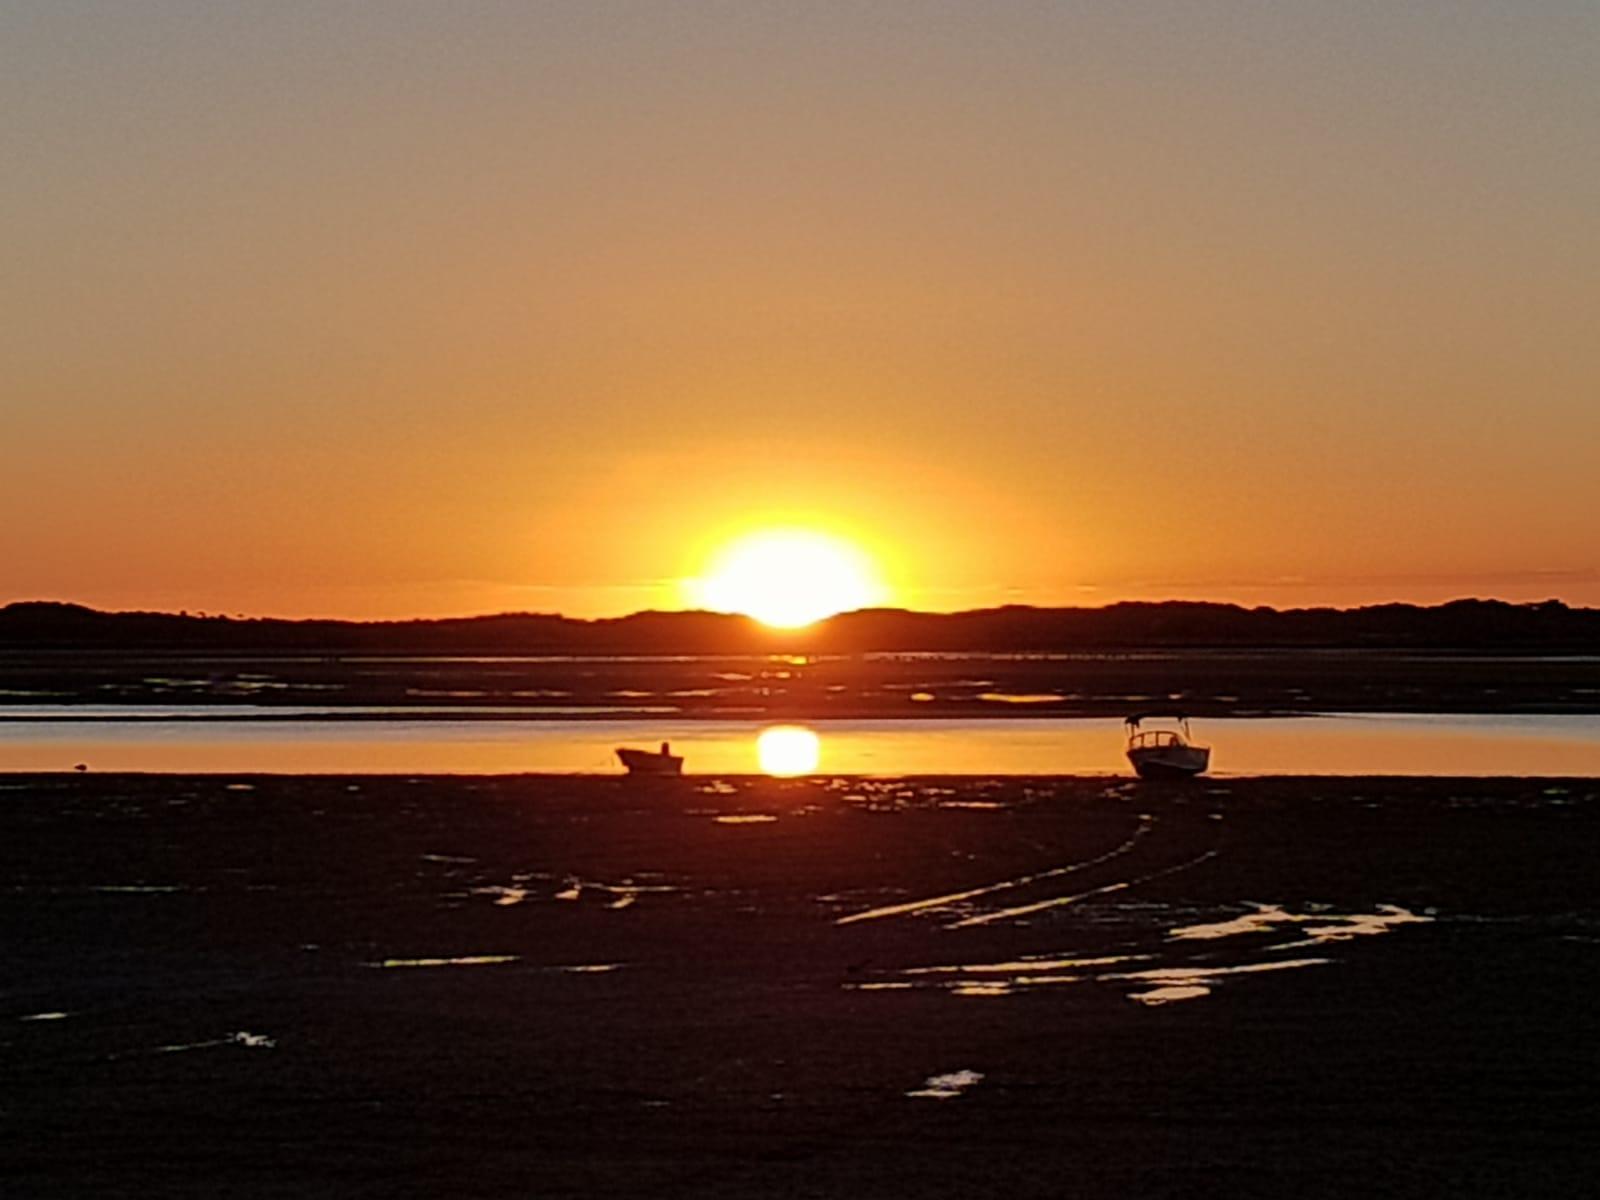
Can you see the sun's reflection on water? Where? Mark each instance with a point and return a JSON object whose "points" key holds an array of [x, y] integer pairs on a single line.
{"points": [[788, 750], [1020, 745]]}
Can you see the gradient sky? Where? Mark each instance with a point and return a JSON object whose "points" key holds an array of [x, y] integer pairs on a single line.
{"points": [[417, 308]]}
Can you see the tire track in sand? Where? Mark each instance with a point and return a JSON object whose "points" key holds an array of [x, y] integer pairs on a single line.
{"points": [[1146, 821], [1024, 910]]}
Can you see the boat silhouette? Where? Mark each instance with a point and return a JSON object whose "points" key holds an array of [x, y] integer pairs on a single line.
{"points": [[651, 762], [1166, 753]]}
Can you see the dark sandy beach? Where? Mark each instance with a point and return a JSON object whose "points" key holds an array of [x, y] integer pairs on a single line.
{"points": [[547, 986]]}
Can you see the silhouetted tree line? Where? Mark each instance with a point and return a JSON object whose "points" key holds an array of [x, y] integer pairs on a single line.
{"points": [[1487, 625]]}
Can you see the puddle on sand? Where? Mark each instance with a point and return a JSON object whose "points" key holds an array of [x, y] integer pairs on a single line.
{"points": [[1156, 985], [1170, 994], [1027, 964], [136, 889], [947, 1087], [1000, 978], [1005, 979], [491, 960], [1351, 925], [253, 1041], [1190, 983], [1317, 927], [466, 960], [622, 895], [503, 896], [1181, 976]]}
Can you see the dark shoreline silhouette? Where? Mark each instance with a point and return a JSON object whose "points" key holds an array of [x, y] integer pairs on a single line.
{"points": [[1487, 626]]}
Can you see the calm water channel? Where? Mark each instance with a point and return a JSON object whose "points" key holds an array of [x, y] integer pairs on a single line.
{"points": [[171, 738]]}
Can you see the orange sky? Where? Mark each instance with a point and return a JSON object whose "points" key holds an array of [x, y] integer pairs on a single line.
{"points": [[400, 309]]}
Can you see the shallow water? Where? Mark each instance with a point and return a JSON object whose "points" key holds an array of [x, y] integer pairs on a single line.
{"points": [[1328, 745]]}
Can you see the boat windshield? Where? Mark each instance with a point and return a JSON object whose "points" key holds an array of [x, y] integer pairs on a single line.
{"points": [[1153, 738]]}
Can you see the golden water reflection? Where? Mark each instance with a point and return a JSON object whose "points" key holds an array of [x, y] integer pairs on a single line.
{"points": [[1350, 745], [788, 750]]}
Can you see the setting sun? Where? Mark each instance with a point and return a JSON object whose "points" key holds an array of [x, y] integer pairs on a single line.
{"points": [[790, 577]]}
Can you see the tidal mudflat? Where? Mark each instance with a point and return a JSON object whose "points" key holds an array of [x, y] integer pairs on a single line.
{"points": [[739, 986], [1222, 682]]}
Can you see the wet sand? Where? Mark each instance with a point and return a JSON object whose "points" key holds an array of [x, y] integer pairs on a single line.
{"points": [[556, 986]]}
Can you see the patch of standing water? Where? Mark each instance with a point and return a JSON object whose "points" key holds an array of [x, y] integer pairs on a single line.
{"points": [[947, 1087], [1319, 927], [252, 1041], [1169, 994], [503, 896], [1159, 984], [465, 960], [1189, 983]]}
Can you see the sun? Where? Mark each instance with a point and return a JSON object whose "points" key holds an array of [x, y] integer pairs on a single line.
{"points": [[790, 577]]}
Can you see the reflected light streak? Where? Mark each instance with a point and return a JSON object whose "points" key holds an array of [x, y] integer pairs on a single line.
{"points": [[1022, 745], [788, 750]]}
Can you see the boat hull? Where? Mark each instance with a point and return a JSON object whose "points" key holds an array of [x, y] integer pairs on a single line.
{"points": [[648, 762], [1170, 762]]}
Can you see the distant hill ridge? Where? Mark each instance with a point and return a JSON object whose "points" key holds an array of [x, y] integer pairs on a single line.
{"points": [[1487, 625]]}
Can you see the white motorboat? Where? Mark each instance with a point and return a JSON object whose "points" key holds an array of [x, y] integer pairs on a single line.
{"points": [[1167, 752]]}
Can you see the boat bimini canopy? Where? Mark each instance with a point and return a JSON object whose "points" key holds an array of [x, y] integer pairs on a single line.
{"points": [[1160, 714]]}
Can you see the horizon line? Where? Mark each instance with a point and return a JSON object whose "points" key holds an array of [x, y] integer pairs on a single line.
{"points": [[203, 615]]}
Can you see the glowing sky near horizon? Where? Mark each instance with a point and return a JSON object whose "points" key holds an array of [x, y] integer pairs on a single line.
{"points": [[408, 308]]}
